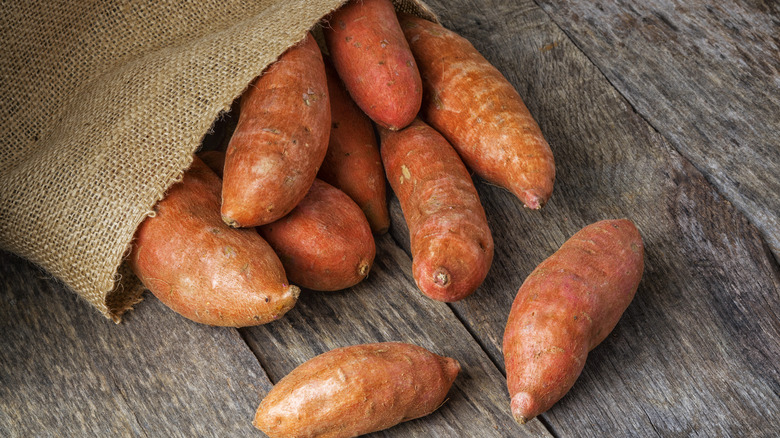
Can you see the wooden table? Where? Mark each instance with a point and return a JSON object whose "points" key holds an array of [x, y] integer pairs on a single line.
{"points": [[664, 112]]}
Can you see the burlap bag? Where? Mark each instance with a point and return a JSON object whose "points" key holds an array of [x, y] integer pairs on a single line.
{"points": [[104, 104]]}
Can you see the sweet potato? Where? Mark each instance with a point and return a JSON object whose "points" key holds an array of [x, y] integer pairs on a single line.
{"points": [[452, 247], [355, 390], [352, 163], [325, 243], [203, 269], [373, 59], [280, 139], [565, 308], [480, 113]]}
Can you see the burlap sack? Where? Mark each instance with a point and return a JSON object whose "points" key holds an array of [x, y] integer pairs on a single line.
{"points": [[104, 104]]}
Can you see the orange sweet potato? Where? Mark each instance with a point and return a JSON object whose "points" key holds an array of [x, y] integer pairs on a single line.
{"points": [[203, 269], [352, 163], [471, 103], [280, 139], [325, 243], [565, 308], [452, 247], [355, 390], [373, 59]]}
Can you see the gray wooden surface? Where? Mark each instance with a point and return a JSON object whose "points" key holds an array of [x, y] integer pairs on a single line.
{"points": [[663, 113], [704, 74]]}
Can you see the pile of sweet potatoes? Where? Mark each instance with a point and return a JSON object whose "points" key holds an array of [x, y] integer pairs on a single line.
{"points": [[294, 200]]}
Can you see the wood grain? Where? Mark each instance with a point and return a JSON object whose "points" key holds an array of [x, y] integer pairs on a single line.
{"points": [[696, 352], [706, 75], [66, 371], [388, 307]]}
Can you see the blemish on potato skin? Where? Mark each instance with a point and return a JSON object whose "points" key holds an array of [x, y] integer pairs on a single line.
{"points": [[437, 101], [310, 96], [405, 173]]}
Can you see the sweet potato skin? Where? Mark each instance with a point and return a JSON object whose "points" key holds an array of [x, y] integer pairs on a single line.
{"points": [[565, 308], [480, 113], [280, 140], [203, 269], [325, 243], [352, 163], [355, 390], [373, 59], [451, 243]]}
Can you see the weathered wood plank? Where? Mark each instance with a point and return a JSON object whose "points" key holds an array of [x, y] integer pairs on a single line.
{"points": [[697, 352], [706, 75], [65, 371], [387, 307]]}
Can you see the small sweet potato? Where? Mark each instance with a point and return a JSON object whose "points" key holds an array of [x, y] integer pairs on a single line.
{"points": [[452, 247], [352, 163], [325, 243], [280, 140], [373, 59], [203, 269], [355, 390], [480, 113], [565, 308]]}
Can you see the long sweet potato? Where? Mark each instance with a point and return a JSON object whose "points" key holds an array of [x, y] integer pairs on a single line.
{"points": [[203, 269], [452, 247], [355, 390], [372, 56], [280, 139], [480, 113], [325, 243], [565, 308], [352, 163]]}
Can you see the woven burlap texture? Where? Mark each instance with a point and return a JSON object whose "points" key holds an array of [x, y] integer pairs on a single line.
{"points": [[104, 104]]}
